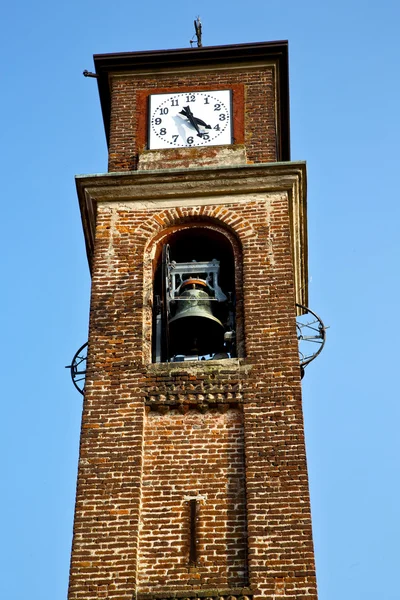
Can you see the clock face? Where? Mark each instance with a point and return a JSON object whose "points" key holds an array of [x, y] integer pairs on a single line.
{"points": [[189, 119]]}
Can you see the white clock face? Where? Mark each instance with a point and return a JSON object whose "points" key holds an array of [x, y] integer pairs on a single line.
{"points": [[189, 119]]}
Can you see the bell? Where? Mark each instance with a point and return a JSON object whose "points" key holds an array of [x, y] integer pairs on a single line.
{"points": [[193, 329]]}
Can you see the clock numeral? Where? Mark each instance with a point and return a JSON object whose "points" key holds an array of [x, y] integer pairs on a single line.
{"points": [[217, 107], [217, 127], [222, 117], [175, 138], [174, 102], [163, 131], [206, 100], [189, 140], [191, 98], [157, 121], [164, 111], [206, 137]]}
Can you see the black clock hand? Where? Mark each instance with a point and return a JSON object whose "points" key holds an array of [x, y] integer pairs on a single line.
{"points": [[194, 121], [201, 122], [189, 115]]}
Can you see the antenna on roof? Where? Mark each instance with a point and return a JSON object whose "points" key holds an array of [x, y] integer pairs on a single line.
{"points": [[198, 29]]}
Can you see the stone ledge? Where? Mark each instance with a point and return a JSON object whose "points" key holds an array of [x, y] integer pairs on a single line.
{"points": [[216, 594], [228, 366], [186, 158]]}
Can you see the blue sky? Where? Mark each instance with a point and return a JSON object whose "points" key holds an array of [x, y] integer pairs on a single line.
{"points": [[344, 90]]}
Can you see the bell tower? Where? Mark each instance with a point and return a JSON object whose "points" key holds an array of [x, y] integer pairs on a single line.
{"points": [[192, 479]]}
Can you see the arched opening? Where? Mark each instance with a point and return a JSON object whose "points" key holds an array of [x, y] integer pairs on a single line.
{"points": [[194, 315]]}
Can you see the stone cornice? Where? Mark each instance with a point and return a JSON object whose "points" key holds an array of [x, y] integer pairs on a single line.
{"points": [[223, 594], [198, 186]]}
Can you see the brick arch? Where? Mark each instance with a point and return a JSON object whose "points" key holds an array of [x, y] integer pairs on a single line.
{"points": [[176, 220], [219, 215]]}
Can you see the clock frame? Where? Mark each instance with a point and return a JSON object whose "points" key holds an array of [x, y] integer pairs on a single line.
{"points": [[190, 118]]}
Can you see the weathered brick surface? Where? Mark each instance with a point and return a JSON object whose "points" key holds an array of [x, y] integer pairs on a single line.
{"points": [[254, 118], [189, 455], [136, 468]]}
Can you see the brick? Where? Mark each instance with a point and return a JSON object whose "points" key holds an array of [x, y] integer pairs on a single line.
{"points": [[230, 436]]}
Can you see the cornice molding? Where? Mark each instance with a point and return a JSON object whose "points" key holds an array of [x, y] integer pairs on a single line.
{"points": [[198, 186]]}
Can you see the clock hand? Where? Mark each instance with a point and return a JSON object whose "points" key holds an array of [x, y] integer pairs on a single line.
{"points": [[189, 115], [194, 121], [201, 122]]}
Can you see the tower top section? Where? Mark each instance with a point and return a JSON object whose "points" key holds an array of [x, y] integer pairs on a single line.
{"points": [[136, 88]]}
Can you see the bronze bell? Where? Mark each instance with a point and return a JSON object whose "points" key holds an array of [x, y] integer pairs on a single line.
{"points": [[193, 329]]}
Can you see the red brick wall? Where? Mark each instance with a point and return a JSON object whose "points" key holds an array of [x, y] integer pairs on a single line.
{"points": [[254, 123], [128, 459], [197, 453]]}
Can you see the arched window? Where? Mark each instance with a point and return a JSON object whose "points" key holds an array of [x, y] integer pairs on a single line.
{"points": [[194, 315]]}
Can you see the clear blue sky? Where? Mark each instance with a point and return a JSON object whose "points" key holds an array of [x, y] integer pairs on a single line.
{"points": [[344, 85]]}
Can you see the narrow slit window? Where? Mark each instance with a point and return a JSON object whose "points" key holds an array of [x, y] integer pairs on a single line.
{"points": [[192, 532]]}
